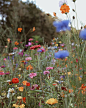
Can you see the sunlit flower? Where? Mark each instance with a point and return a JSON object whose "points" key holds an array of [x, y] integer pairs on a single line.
{"points": [[51, 101], [8, 39], [24, 82]]}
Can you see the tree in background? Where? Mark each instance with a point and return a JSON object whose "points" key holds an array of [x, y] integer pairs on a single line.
{"points": [[27, 16]]}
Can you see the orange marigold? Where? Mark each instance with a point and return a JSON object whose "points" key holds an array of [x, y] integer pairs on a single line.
{"points": [[19, 29], [16, 43], [65, 9], [29, 67]]}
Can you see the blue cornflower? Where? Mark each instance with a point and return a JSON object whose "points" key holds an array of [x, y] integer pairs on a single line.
{"points": [[58, 25], [82, 34], [39, 50], [65, 25], [61, 54], [55, 47], [62, 25]]}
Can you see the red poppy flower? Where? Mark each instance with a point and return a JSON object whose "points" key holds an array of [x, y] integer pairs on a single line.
{"points": [[38, 87], [35, 46], [24, 99], [15, 80], [64, 88], [76, 60], [27, 84]]}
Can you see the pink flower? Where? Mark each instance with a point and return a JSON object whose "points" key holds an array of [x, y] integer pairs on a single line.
{"points": [[2, 73], [15, 48], [30, 39], [28, 58], [40, 105], [43, 50], [46, 72], [2, 66], [59, 49], [4, 59], [36, 41], [48, 68], [31, 75], [21, 53], [33, 87], [76, 60], [29, 44]]}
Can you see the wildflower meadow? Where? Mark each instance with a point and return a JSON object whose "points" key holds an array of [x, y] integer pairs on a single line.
{"points": [[39, 77]]}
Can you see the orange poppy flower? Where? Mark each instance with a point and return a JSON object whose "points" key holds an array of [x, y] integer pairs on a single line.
{"points": [[16, 43], [65, 59], [66, 65], [19, 29], [21, 88], [71, 61], [29, 67], [54, 13], [70, 90], [83, 92], [24, 82], [65, 9], [34, 29], [23, 61], [62, 94]]}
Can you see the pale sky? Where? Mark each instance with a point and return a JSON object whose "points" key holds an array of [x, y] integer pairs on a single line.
{"points": [[50, 6]]}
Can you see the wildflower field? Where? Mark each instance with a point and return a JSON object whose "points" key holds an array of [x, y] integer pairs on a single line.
{"points": [[43, 78]]}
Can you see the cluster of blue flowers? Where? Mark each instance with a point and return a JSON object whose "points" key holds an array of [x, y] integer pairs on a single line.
{"points": [[82, 34], [61, 54], [62, 25]]}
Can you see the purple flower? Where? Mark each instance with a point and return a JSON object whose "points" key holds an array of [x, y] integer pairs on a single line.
{"points": [[62, 76], [46, 72], [31, 75], [62, 2]]}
